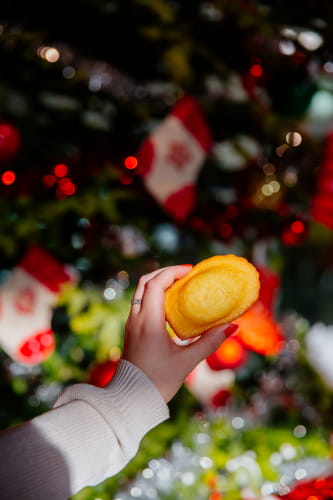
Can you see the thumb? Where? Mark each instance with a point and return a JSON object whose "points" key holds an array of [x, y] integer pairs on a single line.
{"points": [[210, 341]]}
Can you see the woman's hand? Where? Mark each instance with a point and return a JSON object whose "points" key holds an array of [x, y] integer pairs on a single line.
{"points": [[149, 346]]}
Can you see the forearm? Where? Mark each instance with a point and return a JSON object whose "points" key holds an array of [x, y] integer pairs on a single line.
{"points": [[90, 435]]}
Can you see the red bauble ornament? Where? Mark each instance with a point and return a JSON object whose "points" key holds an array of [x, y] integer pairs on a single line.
{"points": [[258, 331], [101, 374], [231, 354], [10, 142], [37, 348], [317, 489]]}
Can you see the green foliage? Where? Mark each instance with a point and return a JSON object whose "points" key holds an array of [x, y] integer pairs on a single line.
{"points": [[256, 444]]}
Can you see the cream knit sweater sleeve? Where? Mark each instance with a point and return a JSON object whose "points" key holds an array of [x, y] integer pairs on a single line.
{"points": [[89, 435]]}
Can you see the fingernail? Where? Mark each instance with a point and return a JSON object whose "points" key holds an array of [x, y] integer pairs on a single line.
{"points": [[188, 265], [230, 329]]}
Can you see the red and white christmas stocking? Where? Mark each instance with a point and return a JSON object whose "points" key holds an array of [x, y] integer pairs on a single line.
{"points": [[170, 159], [26, 301]]}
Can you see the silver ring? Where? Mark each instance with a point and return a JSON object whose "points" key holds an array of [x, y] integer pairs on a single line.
{"points": [[136, 301]]}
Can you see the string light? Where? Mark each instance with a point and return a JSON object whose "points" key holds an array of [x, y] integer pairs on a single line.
{"points": [[256, 70], [310, 40], [60, 170], [230, 354], [297, 227], [8, 177], [126, 179], [294, 138], [68, 72], [50, 54], [287, 47], [49, 180], [280, 150], [328, 67], [290, 176], [115, 353], [66, 187], [258, 331], [269, 168], [288, 32], [270, 188], [320, 483], [131, 162]]}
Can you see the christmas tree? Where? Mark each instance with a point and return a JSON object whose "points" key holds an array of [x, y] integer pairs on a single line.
{"points": [[135, 135]]}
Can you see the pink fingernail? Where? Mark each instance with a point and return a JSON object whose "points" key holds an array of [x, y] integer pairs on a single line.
{"points": [[230, 329]]}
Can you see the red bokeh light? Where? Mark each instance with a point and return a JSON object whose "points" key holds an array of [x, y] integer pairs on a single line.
{"points": [[8, 177], [320, 482], [126, 179], [297, 227], [37, 348], [231, 354], [10, 142], [256, 70], [60, 170], [66, 186], [318, 489], [131, 162], [258, 331], [49, 180], [215, 495]]}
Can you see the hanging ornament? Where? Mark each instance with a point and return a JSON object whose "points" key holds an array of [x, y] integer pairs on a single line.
{"points": [[10, 142], [206, 385], [258, 331], [26, 300], [101, 373], [170, 159], [322, 202], [231, 354]]}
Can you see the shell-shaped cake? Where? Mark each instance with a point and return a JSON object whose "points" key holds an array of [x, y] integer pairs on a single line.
{"points": [[216, 291]]}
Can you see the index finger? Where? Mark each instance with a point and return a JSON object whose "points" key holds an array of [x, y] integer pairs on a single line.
{"points": [[153, 298]]}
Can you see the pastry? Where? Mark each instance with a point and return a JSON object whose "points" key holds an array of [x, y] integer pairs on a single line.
{"points": [[216, 291]]}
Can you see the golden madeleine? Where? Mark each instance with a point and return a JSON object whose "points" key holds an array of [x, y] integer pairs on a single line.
{"points": [[216, 291]]}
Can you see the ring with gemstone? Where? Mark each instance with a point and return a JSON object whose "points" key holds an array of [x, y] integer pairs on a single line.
{"points": [[136, 301]]}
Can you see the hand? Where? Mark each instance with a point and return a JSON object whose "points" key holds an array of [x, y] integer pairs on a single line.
{"points": [[149, 346]]}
